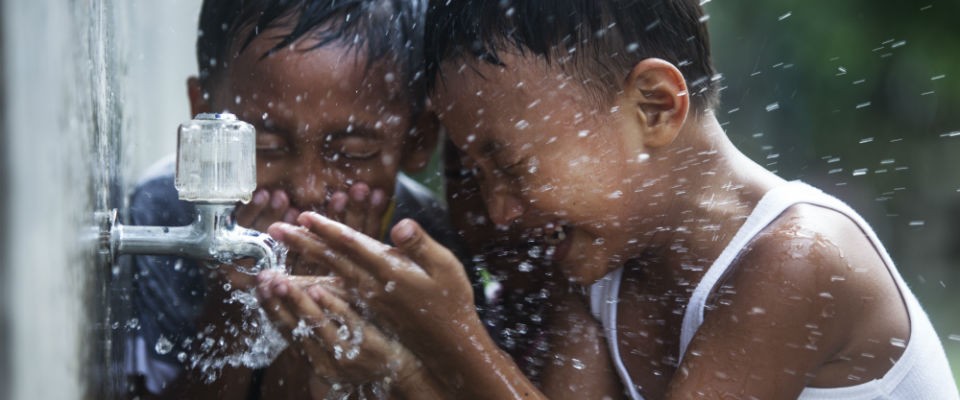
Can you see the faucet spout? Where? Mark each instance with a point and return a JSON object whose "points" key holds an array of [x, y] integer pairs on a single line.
{"points": [[212, 236]]}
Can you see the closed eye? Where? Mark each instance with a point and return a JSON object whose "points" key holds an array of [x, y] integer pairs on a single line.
{"points": [[352, 147], [272, 144]]}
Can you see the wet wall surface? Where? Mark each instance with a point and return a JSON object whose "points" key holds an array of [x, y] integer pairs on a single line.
{"points": [[4, 318], [62, 67]]}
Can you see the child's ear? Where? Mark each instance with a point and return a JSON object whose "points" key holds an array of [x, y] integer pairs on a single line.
{"points": [[420, 143], [655, 98], [198, 104]]}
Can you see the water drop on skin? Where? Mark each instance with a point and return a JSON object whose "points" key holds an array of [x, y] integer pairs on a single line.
{"points": [[343, 333], [577, 364]]}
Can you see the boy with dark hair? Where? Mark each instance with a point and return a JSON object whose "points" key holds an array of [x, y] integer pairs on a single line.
{"points": [[335, 91], [590, 125]]}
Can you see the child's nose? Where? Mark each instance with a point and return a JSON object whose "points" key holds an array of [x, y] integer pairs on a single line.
{"points": [[309, 188], [503, 206]]}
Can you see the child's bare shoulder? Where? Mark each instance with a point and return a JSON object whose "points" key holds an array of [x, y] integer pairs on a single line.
{"points": [[820, 249]]}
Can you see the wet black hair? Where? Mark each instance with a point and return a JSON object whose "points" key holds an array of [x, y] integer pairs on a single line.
{"points": [[387, 30], [596, 41]]}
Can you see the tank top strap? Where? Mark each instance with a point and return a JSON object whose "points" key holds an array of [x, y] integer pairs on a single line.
{"points": [[770, 207]]}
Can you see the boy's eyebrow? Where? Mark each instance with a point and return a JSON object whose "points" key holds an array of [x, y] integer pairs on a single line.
{"points": [[490, 147]]}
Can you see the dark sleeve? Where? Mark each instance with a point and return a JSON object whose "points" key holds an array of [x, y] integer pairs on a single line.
{"points": [[416, 202], [167, 292]]}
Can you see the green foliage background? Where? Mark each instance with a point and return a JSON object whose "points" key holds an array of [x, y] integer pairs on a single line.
{"points": [[862, 99]]}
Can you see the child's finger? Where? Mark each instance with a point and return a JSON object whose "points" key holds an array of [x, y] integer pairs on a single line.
{"points": [[330, 284], [357, 208], [246, 214], [291, 215], [334, 333], [416, 244], [314, 248], [337, 205], [272, 304], [377, 207], [279, 203], [353, 252], [299, 304]]}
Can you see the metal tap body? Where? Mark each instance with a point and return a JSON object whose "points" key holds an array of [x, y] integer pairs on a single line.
{"points": [[213, 236]]}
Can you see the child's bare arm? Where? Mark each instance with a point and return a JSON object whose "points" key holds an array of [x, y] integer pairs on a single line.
{"points": [[798, 311], [420, 290]]}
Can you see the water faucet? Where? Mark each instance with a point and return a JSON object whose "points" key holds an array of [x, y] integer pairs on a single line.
{"points": [[216, 168]]}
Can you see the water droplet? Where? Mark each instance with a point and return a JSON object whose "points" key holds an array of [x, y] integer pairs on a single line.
{"points": [[343, 333], [917, 223], [353, 352], [390, 286], [577, 364], [237, 99], [955, 337], [163, 345], [583, 133], [522, 124], [757, 311], [181, 356], [898, 342], [525, 266], [773, 106]]}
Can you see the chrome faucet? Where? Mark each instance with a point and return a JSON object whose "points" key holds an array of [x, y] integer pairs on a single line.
{"points": [[216, 168]]}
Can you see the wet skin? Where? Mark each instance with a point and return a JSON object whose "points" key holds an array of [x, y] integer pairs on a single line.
{"points": [[331, 137], [635, 180], [325, 125], [640, 185]]}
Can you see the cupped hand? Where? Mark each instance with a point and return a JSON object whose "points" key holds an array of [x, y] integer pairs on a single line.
{"points": [[341, 347], [359, 207], [264, 209], [419, 289]]}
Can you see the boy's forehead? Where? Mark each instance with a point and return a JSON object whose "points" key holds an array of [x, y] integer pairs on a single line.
{"points": [[521, 86], [332, 70]]}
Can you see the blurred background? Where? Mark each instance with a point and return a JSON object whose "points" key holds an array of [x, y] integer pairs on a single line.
{"points": [[858, 97], [862, 99]]}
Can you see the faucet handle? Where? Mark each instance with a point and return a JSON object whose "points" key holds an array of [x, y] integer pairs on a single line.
{"points": [[216, 159]]}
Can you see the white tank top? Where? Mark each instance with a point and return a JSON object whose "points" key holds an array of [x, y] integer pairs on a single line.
{"points": [[922, 372]]}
